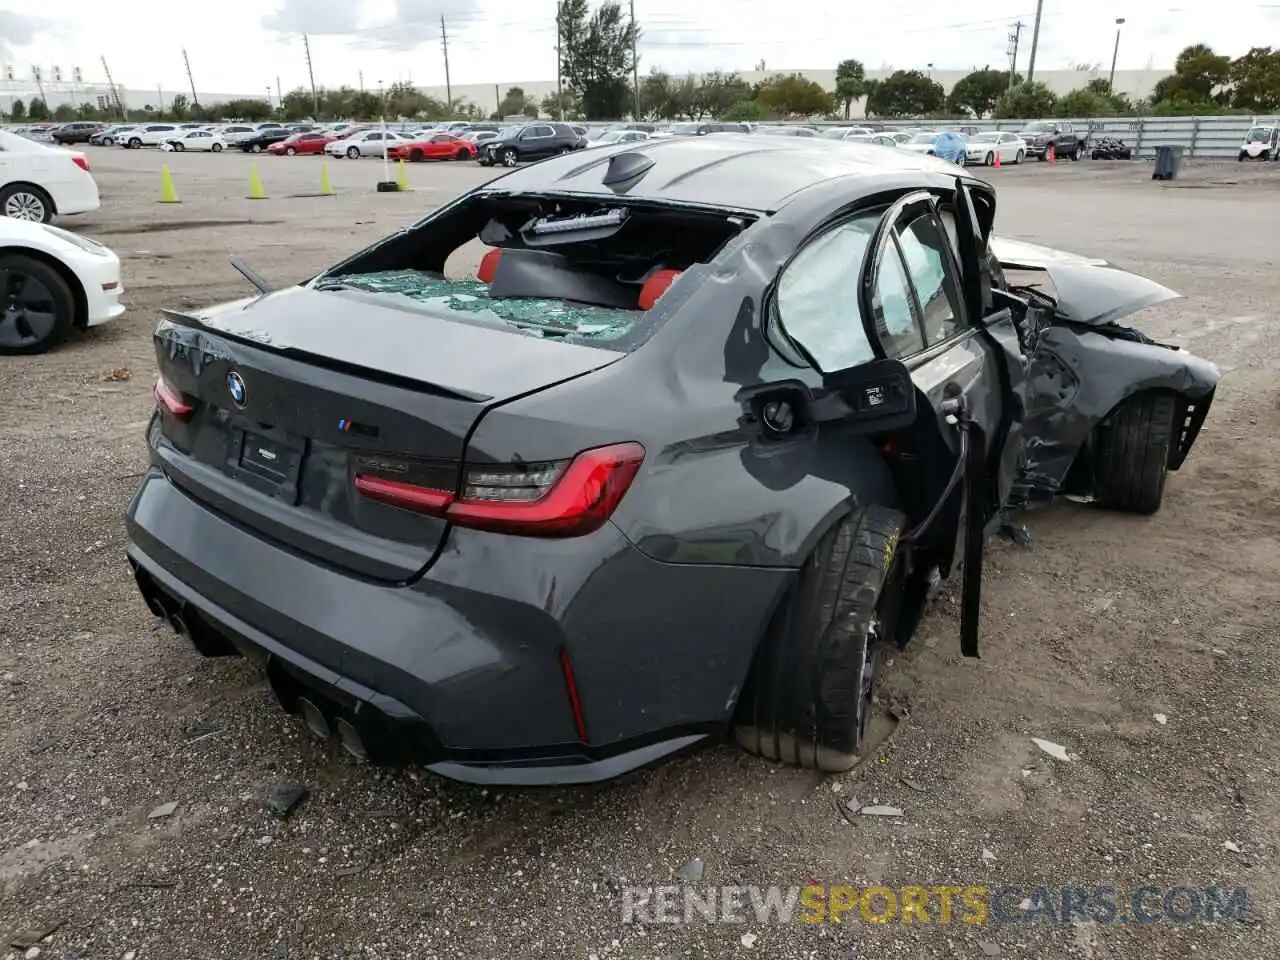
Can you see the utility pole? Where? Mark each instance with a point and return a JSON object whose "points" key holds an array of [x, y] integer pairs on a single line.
{"points": [[448, 85], [195, 97], [115, 92], [279, 98], [1015, 36], [559, 75], [635, 64], [159, 103], [361, 74], [315, 97], [1035, 42], [1115, 52]]}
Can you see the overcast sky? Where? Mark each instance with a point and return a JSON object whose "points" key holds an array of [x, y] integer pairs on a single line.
{"points": [[243, 45]]}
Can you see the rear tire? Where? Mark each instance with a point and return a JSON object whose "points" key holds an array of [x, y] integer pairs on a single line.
{"points": [[1133, 452], [45, 306], [809, 696], [216, 148], [461, 155]]}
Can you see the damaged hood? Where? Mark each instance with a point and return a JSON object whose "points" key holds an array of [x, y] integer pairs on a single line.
{"points": [[1087, 290]]}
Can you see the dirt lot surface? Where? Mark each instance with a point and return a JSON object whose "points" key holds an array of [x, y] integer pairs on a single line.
{"points": [[1146, 647]]}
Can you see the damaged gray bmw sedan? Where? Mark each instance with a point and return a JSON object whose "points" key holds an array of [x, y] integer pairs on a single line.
{"points": [[684, 461]]}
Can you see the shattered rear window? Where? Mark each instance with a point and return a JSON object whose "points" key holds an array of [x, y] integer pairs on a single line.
{"points": [[470, 301]]}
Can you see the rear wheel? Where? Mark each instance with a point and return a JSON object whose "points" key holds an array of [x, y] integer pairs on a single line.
{"points": [[509, 157], [24, 201], [461, 155], [216, 148], [809, 699], [38, 307], [1133, 452]]}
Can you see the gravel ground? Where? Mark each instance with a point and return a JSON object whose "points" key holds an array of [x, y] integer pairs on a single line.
{"points": [[1146, 647]]}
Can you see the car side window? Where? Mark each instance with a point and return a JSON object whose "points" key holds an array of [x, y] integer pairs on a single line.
{"points": [[924, 248], [895, 319], [817, 296]]}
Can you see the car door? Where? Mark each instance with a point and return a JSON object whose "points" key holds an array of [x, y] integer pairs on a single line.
{"points": [[914, 303]]}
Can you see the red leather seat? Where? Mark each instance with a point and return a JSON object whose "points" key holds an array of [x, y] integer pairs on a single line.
{"points": [[489, 265], [656, 286]]}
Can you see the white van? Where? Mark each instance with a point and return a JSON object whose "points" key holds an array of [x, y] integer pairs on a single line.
{"points": [[1261, 143]]}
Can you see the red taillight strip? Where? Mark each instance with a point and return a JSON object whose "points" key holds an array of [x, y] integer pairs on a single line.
{"points": [[407, 495], [581, 500], [571, 688], [170, 399]]}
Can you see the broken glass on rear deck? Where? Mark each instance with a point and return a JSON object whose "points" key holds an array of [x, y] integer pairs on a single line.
{"points": [[546, 318]]}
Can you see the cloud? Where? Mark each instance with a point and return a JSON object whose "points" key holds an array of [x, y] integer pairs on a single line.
{"points": [[416, 22], [317, 17], [20, 30]]}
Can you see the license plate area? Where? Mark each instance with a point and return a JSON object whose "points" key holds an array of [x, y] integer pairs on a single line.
{"points": [[267, 459]]}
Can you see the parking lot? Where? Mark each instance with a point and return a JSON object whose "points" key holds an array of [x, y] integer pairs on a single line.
{"points": [[1145, 646]]}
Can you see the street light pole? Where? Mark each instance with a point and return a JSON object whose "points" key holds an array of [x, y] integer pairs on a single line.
{"points": [[1111, 81]]}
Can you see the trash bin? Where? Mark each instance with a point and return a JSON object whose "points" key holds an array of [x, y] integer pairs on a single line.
{"points": [[1168, 163]]}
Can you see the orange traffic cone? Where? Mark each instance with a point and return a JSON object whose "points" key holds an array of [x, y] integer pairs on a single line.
{"points": [[1049, 154], [997, 161]]}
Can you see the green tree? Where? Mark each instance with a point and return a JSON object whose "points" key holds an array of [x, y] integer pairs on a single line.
{"points": [[179, 107], [1199, 78], [1086, 103], [596, 56], [977, 93], [851, 83], [686, 99], [752, 110], [366, 105], [1255, 81], [251, 110], [874, 93], [37, 110], [909, 93], [657, 101], [793, 95], [530, 110], [717, 92], [87, 111], [64, 113], [18, 112], [562, 105], [513, 102], [297, 105], [338, 103], [1027, 101]]}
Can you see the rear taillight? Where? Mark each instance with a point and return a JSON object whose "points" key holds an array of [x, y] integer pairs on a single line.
{"points": [[170, 399], [82, 163], [558, 499]]}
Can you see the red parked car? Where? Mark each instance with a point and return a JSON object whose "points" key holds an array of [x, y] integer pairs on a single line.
{"points": [[441, 146], [301, 143]]}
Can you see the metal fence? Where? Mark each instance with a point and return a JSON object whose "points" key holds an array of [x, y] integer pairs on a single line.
{"points": [[1202, 137]]}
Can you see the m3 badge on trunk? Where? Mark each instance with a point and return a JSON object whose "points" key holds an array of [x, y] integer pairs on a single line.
{"points": [[235, 386]]}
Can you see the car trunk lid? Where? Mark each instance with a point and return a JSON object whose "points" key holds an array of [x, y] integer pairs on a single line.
{"points": [[285, 397]]}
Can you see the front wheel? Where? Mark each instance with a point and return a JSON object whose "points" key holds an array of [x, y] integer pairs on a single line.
{"points": [[1076, 154], [1133, 452], [291, 151], [1019, 157], [809, 698], [990, 161], [39, 307], [179, 146], [510, 158], [415, 156], [135, 143], [353, 153]]}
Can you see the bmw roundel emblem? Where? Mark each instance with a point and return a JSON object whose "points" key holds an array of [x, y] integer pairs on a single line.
{"points": [[235, 387]]}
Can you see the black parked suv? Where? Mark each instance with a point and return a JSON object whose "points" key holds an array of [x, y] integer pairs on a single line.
{"points": [[529, 141], [78, 132], [264, 139], [1040, 133]]}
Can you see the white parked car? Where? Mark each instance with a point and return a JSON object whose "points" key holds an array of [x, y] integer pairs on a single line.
{"points": [[920, 142], [48, 300], [233, 133], [368, 143], [197, 140], [149, 135], [38, 182], [610, 137], [985, 147], [1261, 143], [844, 133]]}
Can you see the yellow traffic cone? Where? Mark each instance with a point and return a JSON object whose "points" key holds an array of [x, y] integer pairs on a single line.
{"points": [[402, 178], [326, 187], [255, 184], [168, 193]]}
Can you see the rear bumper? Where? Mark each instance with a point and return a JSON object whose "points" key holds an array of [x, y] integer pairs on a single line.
{"points": [[468, 680]]}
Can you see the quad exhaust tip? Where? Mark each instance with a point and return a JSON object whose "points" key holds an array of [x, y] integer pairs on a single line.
{"points": [[314, 718], [351, 741]]}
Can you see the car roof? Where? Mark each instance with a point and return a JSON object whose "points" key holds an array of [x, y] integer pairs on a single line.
{"points": [[737, 171]]}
